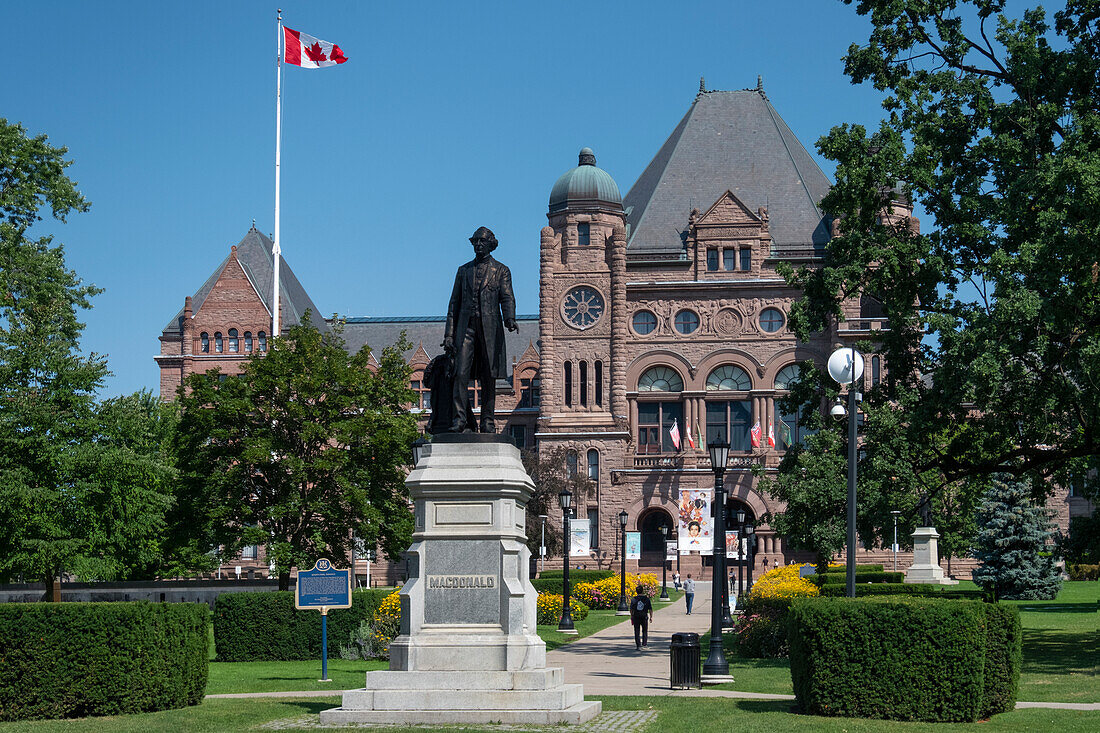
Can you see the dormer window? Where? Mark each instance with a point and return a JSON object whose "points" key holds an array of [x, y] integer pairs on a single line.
{"points": [[204, 342], [746, 259], [263, 340], [218, 342], [234, 341], [248, 342]]}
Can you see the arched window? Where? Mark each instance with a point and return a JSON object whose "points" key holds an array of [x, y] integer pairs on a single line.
{"points": [[234, 341], [657, 416], [571, 464], [593, 464], [876, 370], [218, 342], [262, 337], [791, 428], [599, 383], [204, 342], [660, 379], [248, 341], [568, 379], [729, 377], [584, 383], [729, 413]]}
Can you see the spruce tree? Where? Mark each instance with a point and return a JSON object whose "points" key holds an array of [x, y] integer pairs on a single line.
{"points": [[1012, 544]]}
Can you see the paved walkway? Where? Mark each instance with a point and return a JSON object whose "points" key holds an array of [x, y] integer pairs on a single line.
{"points": [[607, 663]]}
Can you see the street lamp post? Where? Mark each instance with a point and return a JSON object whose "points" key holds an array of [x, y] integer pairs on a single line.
{"points": [[624, 605], [716, 664], [846, 366], [565, 499], [666, 535], [740, 564], [542, 546], [895, 514], [750, 545]]}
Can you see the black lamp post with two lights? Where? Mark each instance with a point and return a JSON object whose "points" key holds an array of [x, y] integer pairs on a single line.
{"points": [[716, 665], [565, 625]]}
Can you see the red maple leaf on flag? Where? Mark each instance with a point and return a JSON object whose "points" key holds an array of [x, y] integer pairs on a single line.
{"points": [[337, 55], [314, 52]]}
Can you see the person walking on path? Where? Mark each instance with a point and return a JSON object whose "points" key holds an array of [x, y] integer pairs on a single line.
{"points": [[641, 615], [689, 592]]}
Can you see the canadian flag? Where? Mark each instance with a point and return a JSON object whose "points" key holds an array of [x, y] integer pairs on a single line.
{"points": [[690, 440], [771, 435], [309, 52], [755, 435]]}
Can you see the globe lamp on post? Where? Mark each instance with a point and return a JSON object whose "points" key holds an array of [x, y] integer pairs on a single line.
{"points": [[845, 367], [624, 605], [717, 667], [565, 625]]}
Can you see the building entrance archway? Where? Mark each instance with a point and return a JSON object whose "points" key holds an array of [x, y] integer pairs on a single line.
{"points": [[653, 525]]}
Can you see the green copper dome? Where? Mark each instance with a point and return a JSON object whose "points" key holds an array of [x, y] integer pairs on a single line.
{"points": [[586, 187]]}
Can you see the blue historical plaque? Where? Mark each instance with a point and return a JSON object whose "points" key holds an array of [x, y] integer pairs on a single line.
{"points": [[324, 587]]}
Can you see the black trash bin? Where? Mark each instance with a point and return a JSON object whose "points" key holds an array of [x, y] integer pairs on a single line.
{"points": [[685, 657]]}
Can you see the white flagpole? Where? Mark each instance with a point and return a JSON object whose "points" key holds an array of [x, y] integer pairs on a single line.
{"points": [[276, 251]]}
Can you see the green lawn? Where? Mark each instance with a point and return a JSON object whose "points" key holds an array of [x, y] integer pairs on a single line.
{"points": [[596, 621], [697, 715], [227, 677]]}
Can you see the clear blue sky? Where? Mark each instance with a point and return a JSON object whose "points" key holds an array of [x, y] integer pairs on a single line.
{"points": [[447, 116]]}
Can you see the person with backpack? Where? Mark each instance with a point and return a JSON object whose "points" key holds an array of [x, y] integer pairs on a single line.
{"points": [[641, 615]]}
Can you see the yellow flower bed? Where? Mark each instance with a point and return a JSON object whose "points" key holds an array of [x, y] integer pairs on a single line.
{"points": [[605, 593], [549, 609], [386, 624], [784, 582]]}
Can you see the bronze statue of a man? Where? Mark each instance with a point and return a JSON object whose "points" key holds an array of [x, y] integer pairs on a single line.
{"points": [[482, 306]]}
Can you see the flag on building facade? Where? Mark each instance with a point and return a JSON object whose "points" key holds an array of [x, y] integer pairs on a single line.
{"points": [[690, 440], [755, 435], [771, 435], [309, 52], [698, 432], [674, 433], [785, 434]]}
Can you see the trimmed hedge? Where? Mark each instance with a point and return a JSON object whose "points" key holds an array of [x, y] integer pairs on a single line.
{"points": [[904, 658], [862, 577], [72, 660], [265, 626], [927, 590], [1083, 571], [761, 628]]}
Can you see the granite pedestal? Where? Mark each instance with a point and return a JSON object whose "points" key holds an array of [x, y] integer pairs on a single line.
{"points": [[468, 651], [926, 559]]}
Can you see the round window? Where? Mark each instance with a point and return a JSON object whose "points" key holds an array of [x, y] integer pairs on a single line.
{"points": [[583, 306], [645, 322], [771, 320], [687, 321]]}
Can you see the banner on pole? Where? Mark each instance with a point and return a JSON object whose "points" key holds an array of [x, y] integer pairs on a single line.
{"points": [[580, 544], [633, 545], [696, 523]]}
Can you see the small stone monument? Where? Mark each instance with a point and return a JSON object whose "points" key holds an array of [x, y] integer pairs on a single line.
{"points": [[926, 559], [468, 652]]}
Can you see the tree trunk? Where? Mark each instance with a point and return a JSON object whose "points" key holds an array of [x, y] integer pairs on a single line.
{"points": [[284, 580], [53, 588]]}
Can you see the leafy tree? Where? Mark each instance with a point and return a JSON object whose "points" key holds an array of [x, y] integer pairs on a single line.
{"points": [[1082, 544], [550, 471], [1012, 544], [305, 449], [46, 387], [993, 345]]}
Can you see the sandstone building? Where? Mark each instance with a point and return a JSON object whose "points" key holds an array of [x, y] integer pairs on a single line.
{"points": [[658, 308]]}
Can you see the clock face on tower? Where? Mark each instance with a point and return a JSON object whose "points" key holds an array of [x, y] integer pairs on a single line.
{"points": [[582, 307]]}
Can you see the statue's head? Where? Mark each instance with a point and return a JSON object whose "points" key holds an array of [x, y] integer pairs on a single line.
{"points": [[484, 235]]}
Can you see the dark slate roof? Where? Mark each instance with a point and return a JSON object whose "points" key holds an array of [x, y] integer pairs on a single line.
{"points": [[254, 254], [732, 141], [426, 331]]}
